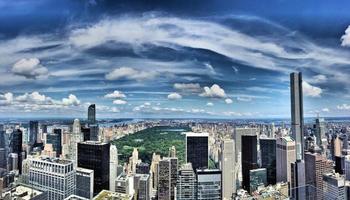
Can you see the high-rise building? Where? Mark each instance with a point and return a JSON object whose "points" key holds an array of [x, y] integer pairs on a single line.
{"points": [[186, 183], [315, 166], [3, 159], [296, 92], [144, 191], [124, 184], [76, 137], [268, 158], [56, 176], [95, 156], [297, 123], [228, 169], [208, 184], [142, 168], [172, 151], [92, 114], [173, 176], [334, 186], [249, 158], [33, 132], [164, 179], [16, 140], [257, 178], [285, 155], [197, 151], [84, 183], [347, 167], [55, 139], [320, 131], [113, 165]]}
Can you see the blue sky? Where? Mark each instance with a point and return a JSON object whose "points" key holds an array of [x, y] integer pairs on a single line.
{"points": [[215, 59]]}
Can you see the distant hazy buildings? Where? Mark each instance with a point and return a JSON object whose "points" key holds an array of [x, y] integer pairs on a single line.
{"points": [[95, 156], [197, 151]]}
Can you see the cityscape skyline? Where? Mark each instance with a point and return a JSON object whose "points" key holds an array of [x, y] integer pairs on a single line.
{"points": [[135, 60]]}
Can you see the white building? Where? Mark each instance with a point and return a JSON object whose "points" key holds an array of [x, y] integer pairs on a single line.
{"points": [[186, 183], [56, 176], [113, 165], [228, 169], [285, 155]]}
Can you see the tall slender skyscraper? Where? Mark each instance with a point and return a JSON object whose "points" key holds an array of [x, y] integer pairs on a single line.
{"points": [[228, 169], [298, 168], [113, 165], [16, 140], [296, 91], [33, 132], [92, 114]]}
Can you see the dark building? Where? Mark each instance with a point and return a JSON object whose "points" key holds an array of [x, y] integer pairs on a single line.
{"points": [[249, 158], [56, 140], [93, 132], [95, 156], [197, 150], [92, 114], [44, 128], [268, 158], [16, 139], [339, 164], [2, 139], [142, 168], [33, 132], [86, 133]]}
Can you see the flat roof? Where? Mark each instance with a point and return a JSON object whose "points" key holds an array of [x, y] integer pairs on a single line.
{"points": [[193, 134]]}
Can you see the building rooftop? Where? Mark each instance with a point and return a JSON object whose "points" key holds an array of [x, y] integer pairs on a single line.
{"points": [[22, 192], [93, 142], [193, 134], [109, 195], [52, 160], [88, 171]]}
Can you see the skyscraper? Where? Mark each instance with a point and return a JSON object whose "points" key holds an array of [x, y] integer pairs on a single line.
{"points": [[208, 184], [186, 183], [113, 165], [258, 178], [197, 149], [296, 92], [16, 140], [228, 169], [92, 114], [144, 192], [285, 155], [316, 166], [56, 176], [33, 132], [268, 158], [164, 179], [95, 156], [249, 158], [55, 139], [77, 136], [320, 131], [84, 182]]}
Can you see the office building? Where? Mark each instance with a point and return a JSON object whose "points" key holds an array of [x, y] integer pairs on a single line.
{"points": [[16, 140], [208, 184], [92, 114], [334, 186], [113, 165], [56, 176], [3, 159], [257, 178], [154, 170], [144, 189], [84, 183], [124, 184], [268, 158], [228, 169], [173, 176], [186, 183], [164, 179], [76, 137], [249, 158], [197, 151], [55, 139], [316, 165], [320, 131], [142, 168], [285, 155], [95, 156], [33, 132]]}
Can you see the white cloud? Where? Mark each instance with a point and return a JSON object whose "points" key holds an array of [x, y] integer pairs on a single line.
{"points": [[214, 91], [71, 100], [188, 87], [6, 99], [345, 39], [130, 74], [114, 95], [311, 91], [29, 68], [119, 102], [210, 68], [319, 79], [244, 98], [343, 107], [34, 97], [210, 104], [228, 101], [325, 109], [235, 69], [174, 96]]}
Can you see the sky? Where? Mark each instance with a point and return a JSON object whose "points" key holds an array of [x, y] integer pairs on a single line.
{"points": [[173, 59]]}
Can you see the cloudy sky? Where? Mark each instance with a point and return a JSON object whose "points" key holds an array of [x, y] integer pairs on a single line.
{"points": [[215, 59]]}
